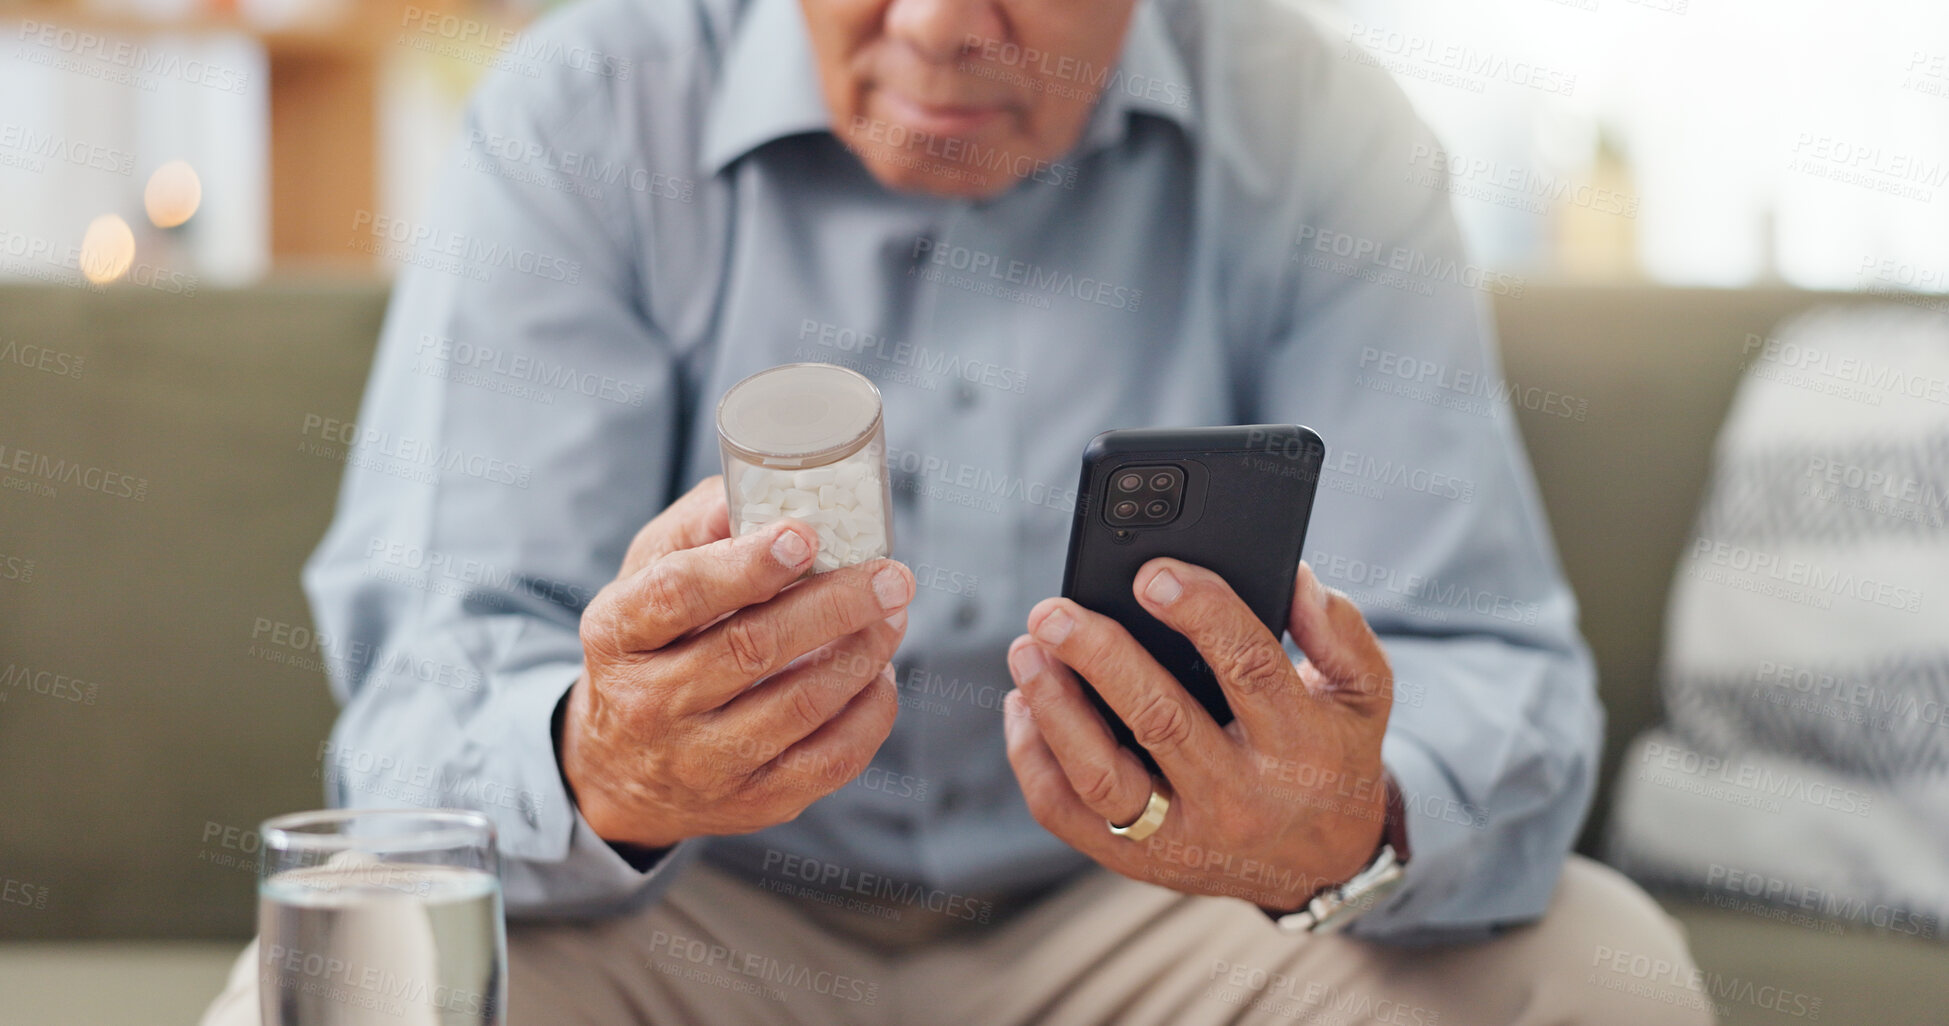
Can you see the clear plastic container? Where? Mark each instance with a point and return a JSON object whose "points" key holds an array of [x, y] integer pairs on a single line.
{"points": [[806, 441]]}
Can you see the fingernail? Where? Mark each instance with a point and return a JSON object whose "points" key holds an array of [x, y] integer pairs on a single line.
{"points": [[1027, 662], [897, 620], [1164, 589], [1315, 591], [1055, 627], [891, 587], [790, 549]]}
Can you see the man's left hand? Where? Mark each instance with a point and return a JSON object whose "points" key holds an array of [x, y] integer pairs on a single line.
{"points": [[1286, 799]]}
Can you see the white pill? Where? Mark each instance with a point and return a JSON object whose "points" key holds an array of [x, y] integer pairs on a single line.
{"points": [[851, 471], [760, 511], [810, 480], [801, 497], [753, 482]]}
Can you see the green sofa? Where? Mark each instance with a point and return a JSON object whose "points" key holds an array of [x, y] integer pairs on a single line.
{"points": [[182, 707]]}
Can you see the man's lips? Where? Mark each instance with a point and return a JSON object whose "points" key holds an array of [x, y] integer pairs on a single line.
{"points": [[936, 119]]}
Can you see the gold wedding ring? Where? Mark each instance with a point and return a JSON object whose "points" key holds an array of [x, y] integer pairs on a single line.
{"points": [[1151, 818]]}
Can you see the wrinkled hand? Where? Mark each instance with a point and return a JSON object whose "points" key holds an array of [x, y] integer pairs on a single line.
{"points": [[1286, 799], [721, 694]]}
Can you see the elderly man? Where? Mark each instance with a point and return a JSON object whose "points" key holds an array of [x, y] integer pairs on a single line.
{"points": [[722, 799]]}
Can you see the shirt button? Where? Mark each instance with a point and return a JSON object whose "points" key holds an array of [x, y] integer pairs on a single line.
{"points": [[966, 613], [964, 395]]}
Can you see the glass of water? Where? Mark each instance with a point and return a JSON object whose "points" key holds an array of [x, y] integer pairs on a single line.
{"points": [[380, 916]]}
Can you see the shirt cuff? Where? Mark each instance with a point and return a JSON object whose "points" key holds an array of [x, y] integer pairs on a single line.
{"points": [[562, 867], [1441, 832]]}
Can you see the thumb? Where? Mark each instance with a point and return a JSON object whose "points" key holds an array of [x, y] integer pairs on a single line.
{"points": [[1343, 656], [700, 517]]}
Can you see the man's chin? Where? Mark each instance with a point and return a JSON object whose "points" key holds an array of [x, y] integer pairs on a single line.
{"points": [[904, 170], [946, 180]]}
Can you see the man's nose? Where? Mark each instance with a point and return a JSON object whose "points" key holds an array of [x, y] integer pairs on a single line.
{"points": [[940, 29]]}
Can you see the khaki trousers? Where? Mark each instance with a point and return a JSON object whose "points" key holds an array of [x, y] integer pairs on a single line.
{"points": [[1101, 950]]}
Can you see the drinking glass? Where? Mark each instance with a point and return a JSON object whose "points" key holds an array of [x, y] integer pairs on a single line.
{"points": [[368, 916]]}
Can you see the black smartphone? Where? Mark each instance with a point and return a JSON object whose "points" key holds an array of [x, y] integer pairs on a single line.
{"points": [[1234, 500]]}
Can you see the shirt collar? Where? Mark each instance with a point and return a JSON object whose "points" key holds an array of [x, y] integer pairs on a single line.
{"points": [[770, 86]]}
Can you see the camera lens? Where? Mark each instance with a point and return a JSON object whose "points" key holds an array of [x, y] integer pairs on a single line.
{"points": [[1163, 481], [1125, 509], [1157, 508], [1130, 482]]}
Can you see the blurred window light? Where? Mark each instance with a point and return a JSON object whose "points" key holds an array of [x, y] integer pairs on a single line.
{"points": [[172, 194], [1697, 142]]}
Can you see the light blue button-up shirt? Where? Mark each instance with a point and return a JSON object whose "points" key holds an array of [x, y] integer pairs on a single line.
{"points": [[646, 206]]}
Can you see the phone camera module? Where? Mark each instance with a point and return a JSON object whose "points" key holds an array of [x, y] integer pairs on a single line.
{"points": [[1144, 496]]}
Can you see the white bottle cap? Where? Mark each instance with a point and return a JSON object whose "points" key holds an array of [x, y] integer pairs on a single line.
{"points": [[799, 414]]}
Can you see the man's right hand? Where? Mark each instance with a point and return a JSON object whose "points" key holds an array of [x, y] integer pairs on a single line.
{"points": [[715, 699]]}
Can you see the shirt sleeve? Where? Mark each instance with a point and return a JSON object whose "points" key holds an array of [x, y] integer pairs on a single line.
{"points": [[1427, 515], [520, 424]]}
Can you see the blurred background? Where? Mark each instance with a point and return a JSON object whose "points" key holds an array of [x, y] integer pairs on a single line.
{"points": [[1674, 195]]}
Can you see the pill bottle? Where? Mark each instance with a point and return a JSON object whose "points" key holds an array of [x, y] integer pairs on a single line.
{"points": [[806, 441]]}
